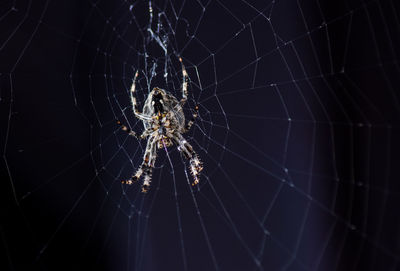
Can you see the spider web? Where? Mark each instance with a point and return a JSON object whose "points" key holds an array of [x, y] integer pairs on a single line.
{"points": [[297, 129]]}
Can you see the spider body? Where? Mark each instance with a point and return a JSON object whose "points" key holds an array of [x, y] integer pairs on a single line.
{"points": [[163, 110], [164, 123]]}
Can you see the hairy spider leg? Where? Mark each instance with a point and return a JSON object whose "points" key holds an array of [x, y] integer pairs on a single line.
{"points": [[186, 149], [184, 83], [127, 129], [146, 168], [138, 114], [132, 133], [185, 94], [191, 122]]}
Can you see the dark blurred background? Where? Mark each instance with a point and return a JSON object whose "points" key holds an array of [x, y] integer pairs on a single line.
{"points": [[298, 130]]}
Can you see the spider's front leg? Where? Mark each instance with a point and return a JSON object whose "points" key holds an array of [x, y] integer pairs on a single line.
{"points": [[146, 168], [196, 166]]}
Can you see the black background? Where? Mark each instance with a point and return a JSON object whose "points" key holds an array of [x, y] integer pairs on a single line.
{"points": [[298, 132]]}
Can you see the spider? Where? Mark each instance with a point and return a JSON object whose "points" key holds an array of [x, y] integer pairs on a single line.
{"points": [[164, 123]]}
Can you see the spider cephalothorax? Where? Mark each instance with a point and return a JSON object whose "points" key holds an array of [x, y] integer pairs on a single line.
{"points": [[164, 123]]}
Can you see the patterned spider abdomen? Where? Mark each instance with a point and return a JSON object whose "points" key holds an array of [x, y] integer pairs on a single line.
{"points": [[170, 106]]}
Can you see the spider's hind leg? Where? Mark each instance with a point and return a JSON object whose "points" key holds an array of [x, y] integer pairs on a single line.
{"points": [[184, 83], [135, 108]]}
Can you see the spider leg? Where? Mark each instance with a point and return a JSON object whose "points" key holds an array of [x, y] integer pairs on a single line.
{"points": [[196, 166], [194, 116], [184, 95], [146, 168], [138, 114], [151, 149], [184, 83], [128, 130]]}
